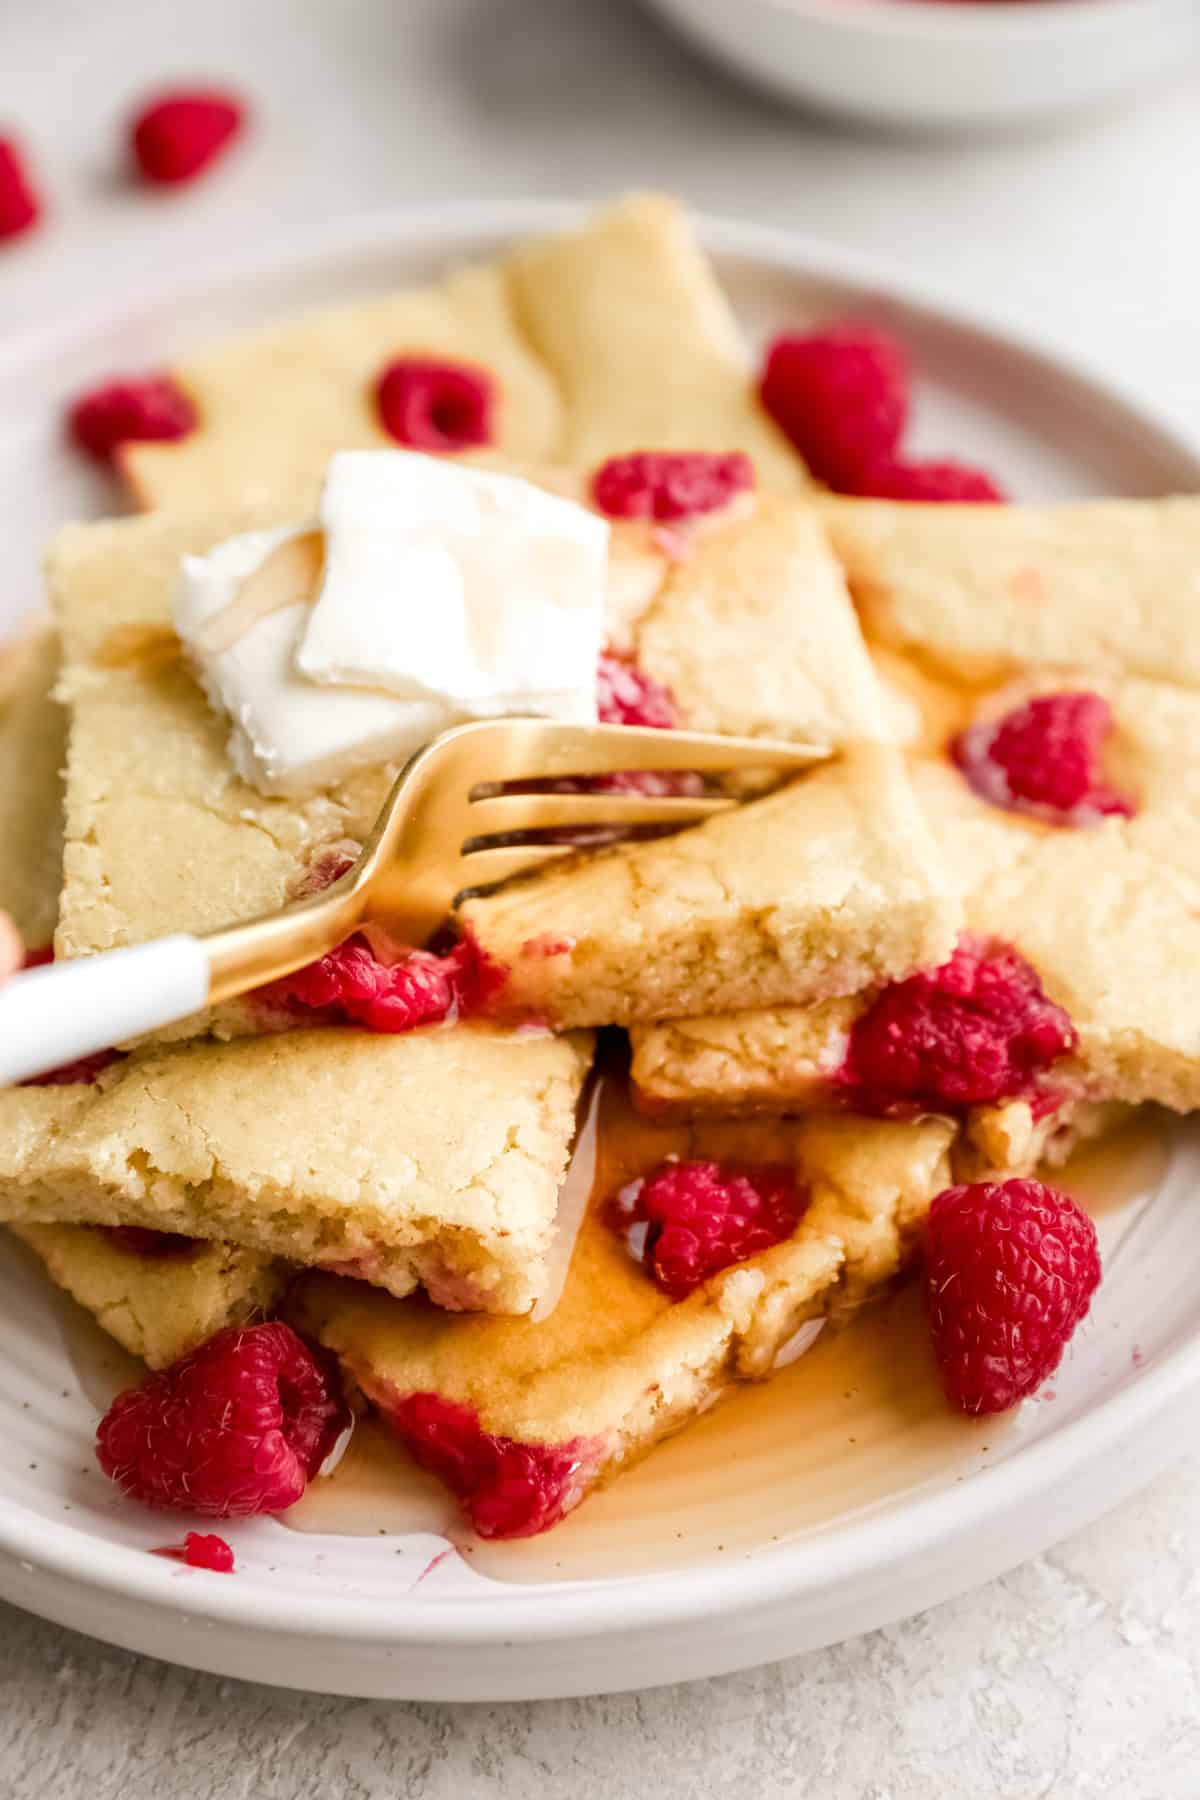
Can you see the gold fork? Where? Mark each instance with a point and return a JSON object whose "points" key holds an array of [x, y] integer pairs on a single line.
{"points": [[448, 827]]}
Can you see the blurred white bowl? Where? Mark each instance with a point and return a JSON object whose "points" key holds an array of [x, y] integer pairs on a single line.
{"points": [[935, 64]]}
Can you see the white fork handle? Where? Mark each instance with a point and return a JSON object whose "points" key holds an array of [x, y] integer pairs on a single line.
{"points": [[56, 1014]]}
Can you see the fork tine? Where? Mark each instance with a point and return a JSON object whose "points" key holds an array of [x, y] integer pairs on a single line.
{"points": [[616, 747], [536, 812], [500, 862], [532, 750]]}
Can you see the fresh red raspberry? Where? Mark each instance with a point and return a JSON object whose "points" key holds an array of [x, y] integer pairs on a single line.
{"points": [[432, 405], [670, 484], [978, 1029], [688, 1220], [158, 1246], [20, 208], [841, 395], [895, 479], [509, 1489], [1011, 1268], [237, 1426], [134, 409], [37, 959], [179, 135], [1044, 758], [201, 1550], [351, 983]]}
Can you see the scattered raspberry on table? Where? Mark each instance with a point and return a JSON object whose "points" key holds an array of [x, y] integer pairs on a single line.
{"points": [[1011, 1268], [20, 207], [180, 134]]}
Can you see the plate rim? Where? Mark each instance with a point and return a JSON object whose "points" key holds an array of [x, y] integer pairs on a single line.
{"points": [[806, 1568]]}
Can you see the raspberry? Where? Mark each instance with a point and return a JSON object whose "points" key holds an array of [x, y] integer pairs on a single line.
{"points": [[669, 484], [352, 983], [841, 395], [328, 865], [899, 480], [978, 1029], [133, 409], [431, 405], [509, 1489], [201, 1550], [626, 695], [180, 134], [1011, 1268], [139, 1240], [1044, 758], [690, 1219], [20, 207], [37, 959], [75, 1074], [237, 1426]]}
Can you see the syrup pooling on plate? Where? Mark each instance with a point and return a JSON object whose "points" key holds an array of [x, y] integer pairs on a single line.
{"points": [[857, 1422], [858, 1418]]}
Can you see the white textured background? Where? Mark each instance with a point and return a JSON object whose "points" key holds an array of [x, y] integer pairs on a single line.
{"points": [[1078, 1675]]}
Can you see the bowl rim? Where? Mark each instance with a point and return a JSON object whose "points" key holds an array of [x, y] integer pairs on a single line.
{"points": [[984, 22]]}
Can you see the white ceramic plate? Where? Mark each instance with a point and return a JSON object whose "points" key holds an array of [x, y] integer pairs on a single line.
{"points": [[838, 1498]]}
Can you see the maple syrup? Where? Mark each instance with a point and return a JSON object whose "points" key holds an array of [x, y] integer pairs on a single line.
{"points": [[141, 649], [858, 1421]]}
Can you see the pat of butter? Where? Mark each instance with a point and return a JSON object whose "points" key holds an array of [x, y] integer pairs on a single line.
{"points": [[288, 733], [456, 585]]}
